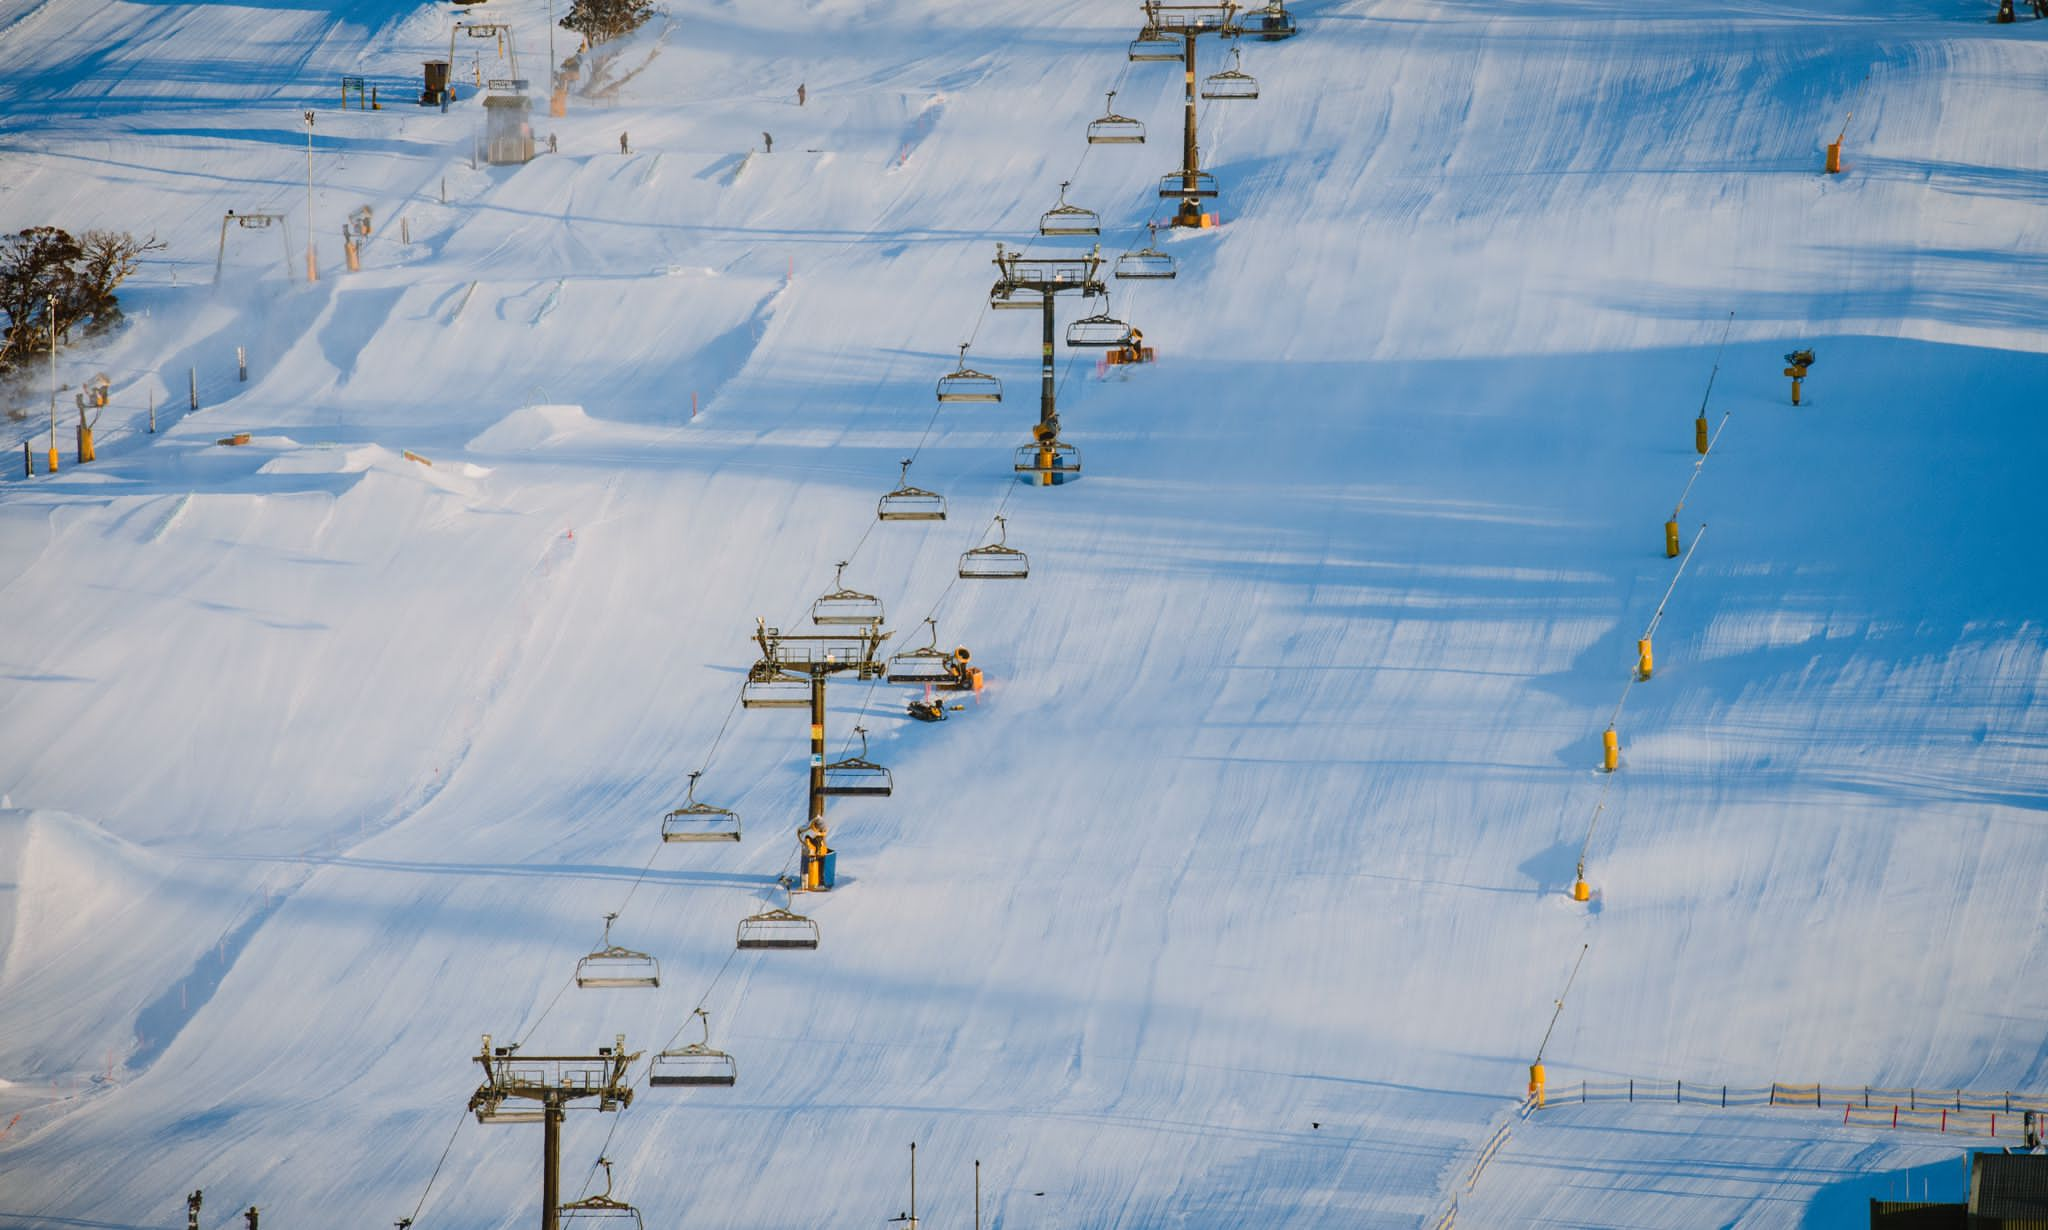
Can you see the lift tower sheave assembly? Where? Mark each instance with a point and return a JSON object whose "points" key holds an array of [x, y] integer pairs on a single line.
{"points": [[1164, 23], [1035, 282], [550, 1084]]}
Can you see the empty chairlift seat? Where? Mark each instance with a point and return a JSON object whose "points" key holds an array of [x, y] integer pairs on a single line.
{"points": [[927, 665], [1065, 219], [1099, 331], [857, 776], [1182, 185], [768, 687], [613, 966], [777, 928], [908, 503], [1147, 262], [845, 607], [1114, 129], [1271, 23], [697, 1065], [600, 1212], [1153, 46], [695, 821], [1232, 83], [995, 561], [964, 384]]}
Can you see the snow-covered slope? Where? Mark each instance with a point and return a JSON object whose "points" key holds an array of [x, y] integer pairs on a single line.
{"points": [[1240, 893]]}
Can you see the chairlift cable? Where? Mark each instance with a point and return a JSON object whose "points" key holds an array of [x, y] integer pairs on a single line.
{"points": [[429, 1189], [1717, 364]]}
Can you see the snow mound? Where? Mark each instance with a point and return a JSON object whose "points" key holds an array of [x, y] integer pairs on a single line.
{"points": [[532, 427]]}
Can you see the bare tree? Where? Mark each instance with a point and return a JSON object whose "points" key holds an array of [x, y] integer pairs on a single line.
{"points": [[601, 21]]}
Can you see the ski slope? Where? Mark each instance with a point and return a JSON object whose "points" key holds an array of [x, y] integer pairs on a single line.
{"points": [[1240, 894]]}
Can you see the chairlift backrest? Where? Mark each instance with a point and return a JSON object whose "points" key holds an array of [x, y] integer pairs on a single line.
{"points": [[1065, 219], [776, 928], [963, 383], [699, 1063], [1231, 83], [1147, 262], [845, 607], [908, 503], [695, 821], [992, 562], [1099, 331], [1114, 129], [615, 966]]}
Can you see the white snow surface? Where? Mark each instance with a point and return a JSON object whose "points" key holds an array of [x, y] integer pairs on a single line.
{"points": [[321, 761]]}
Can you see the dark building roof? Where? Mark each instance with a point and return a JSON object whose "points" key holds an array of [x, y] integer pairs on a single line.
{"points": [[2011, 1187]]}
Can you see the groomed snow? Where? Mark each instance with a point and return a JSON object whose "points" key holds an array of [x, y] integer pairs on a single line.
{"points": [[324, 761]]}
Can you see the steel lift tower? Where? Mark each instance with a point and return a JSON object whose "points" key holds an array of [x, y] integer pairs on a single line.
{"points": [[1170, 33], [1022, 284], [791, 674]]}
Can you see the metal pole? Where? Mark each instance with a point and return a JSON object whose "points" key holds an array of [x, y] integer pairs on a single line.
{"points": [[312, 269], [1190, 205], [913, 1185], [977, 1194], [551, 1162], [1048, 412], [1545, 1044], [818, 747], [52, 301]]}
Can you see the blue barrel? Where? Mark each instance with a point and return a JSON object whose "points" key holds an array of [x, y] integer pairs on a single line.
{"points": [[828, 868]]}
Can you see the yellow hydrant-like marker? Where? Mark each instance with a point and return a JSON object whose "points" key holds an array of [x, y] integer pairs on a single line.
{"points": [[1671, 539], [1645, 662], [1536, 1076], [1699, 434], [1610, 743], [1796, 364]]}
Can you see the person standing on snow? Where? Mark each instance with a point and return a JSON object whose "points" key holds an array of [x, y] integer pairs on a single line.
{"points": [[768, 143], [799, 93], [622, 143]]}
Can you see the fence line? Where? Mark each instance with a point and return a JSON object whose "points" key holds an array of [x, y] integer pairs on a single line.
{"points": [[1973, 1112], [1492, 1146]]}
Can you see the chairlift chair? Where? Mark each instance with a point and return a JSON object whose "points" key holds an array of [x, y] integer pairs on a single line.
{"points": [[695, 821], [1152, 46], [965, 384], [908, 503], [927, 665], [857, 776], [599, 1212], [1114, 129], [776, 928], [1174, 186], [995, 561], [1100, 331], [843, 606], [1271, 23], [1065, 219], [613, 966], [1003, 298], [769, 688], [1054, 457], [697, 1064], [1232, 83], [1148, 262]]}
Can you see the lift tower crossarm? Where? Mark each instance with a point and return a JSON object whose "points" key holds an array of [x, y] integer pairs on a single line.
{"points": [[554, 1082]]}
